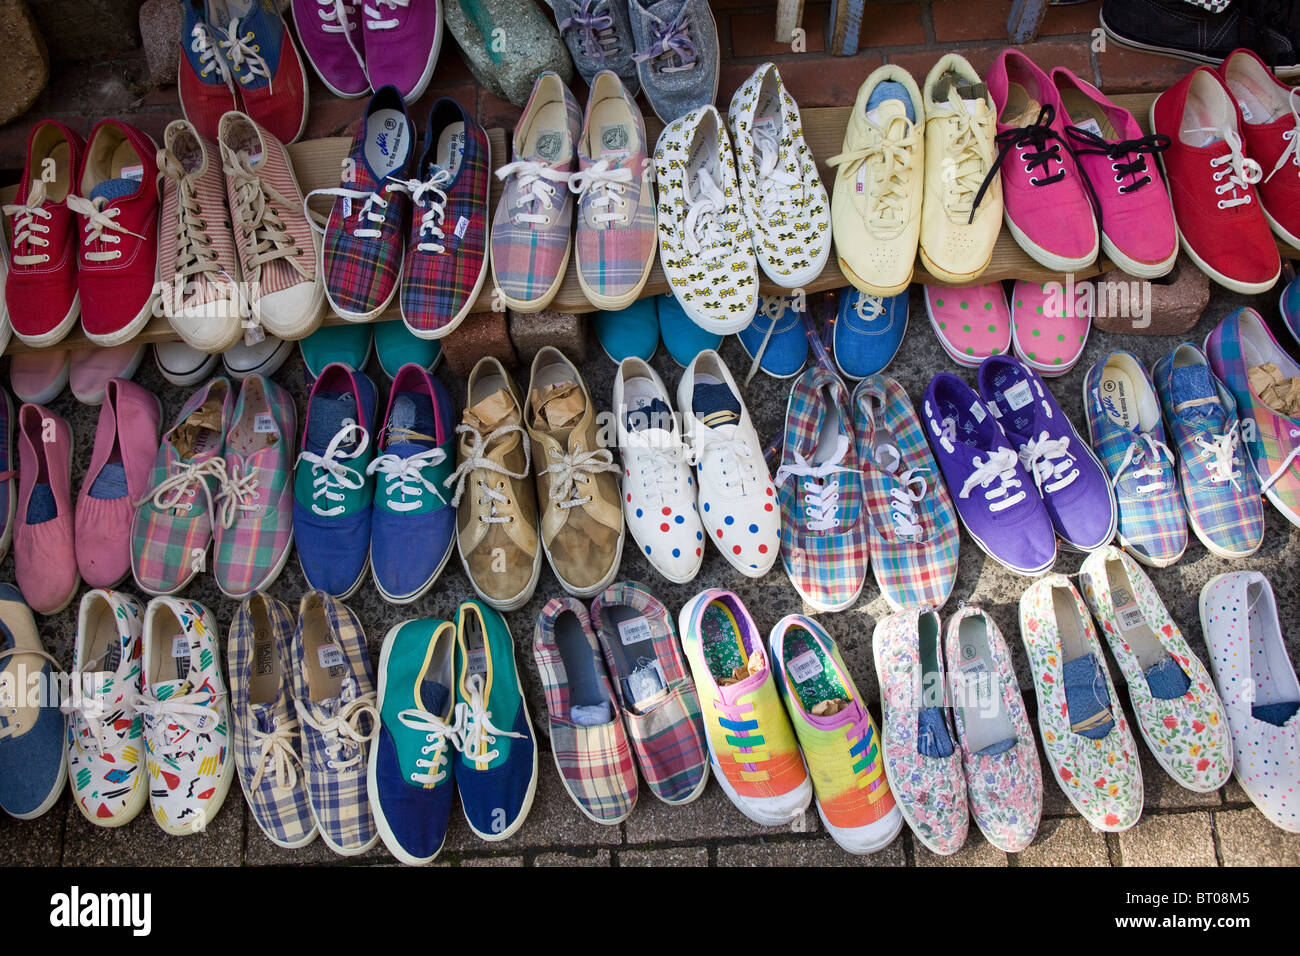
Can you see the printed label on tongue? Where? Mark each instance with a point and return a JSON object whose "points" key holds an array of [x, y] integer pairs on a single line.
{"points": [[181, 647], [1246, 114], [1126, 609], [805, 667], [614, 142], [1090, 125], [977, 410], [477, 663], [330, 656], [347, 206], [977, 680], [1018, 396], [133, 173], [263, 424], [634, 631], [462, 226]]}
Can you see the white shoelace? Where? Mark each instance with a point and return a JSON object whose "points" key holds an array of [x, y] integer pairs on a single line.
{"points": [[101, 226], [1292, 457], [606, 188], [776, 185], [201, 43], [477, 732], [377, 20], [1235, 171], [1144, 449], [332, 475], [772, 307], [180, 487], [92, 710], [656, 463], [869, 307], [1000, 466], [429, 197], [343, 730], [405, 478], [891, 153], [964, 168], [537, 185], [28, 229], [168, 722], [369, 215], [477, 460], [1291, 152], [734, 457], [1050, 462], [238, 494], [242, 51], [574, 469], [276, 754], [702, 231], [821, 485], [433, 757], [1222, 463]]}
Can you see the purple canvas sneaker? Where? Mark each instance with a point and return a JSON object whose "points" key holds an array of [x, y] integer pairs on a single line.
{"points": [[402, 43], [331, 36], [995, 497], [1068, 475]]}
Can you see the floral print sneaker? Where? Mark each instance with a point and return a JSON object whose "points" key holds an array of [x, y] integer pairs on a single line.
{"points": [[1004, 781], [922, 760], [1178, 711], [1086, 736], [1048, 328], [971, 323]]}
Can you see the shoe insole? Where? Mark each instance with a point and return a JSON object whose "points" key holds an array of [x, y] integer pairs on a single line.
{"points": [[60, 172], [725, 648], [1021, 108], [960, 424], [983, 711], [171, 648], [1203, 121], [933, 692], [579, 661], [1086, 692], [1119, 396], [475, 646], [326, 661], [451, 148], [828, 438], [548, 136], [1270, 669], [702, 161], [636, 663], [613, 131], [1260, 102], [388, 142], [1085, 114], [103, 646], [264, 678], [811, 672], [255, 430], [646, 408], [1069, 629], [1133, 626], [438, 676]]}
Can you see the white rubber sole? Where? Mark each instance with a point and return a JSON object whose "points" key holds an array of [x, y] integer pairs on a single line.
{"points": [[51, 391], [1045, 257], [1131, 266], [419, 592], [965, 361]]}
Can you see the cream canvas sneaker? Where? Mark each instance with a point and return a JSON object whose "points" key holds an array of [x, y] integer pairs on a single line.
{"points": [[704, 241], [959, 150], [876, 206], [781, 193]]}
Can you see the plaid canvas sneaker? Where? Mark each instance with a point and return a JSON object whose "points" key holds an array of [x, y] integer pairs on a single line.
{"points": [[334, 695], [186, 716], [255, 504], [409, 773], [332, 490], [263, 64], [365, 237], [1260, 374], [173, 525], [446, 249], [496, 769], [1225, 507], [1126, 430], [656, 694], [265, 731], [588, 740], [105, 733], [912, 528], [616, 206], [752, 746], [823, 528], [531, 229], [837, 735]]}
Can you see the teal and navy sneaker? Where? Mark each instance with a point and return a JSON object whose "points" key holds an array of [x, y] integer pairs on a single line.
{"points": [[332, 492], [410, 774], [628, 333], [496, 770], [396, 346], [347, 344]]}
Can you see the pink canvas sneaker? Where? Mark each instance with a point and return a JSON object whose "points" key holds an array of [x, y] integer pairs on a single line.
{"points": [[971, 323], [331, 36], [44, 562], [1046, 202], [1049, 327], [1137, 221], [402, 43], [90, 370], [39, 377], [126, 443]]}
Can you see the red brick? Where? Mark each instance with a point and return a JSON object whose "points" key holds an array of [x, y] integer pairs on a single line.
{"points": [[1128, 71], [1046, 53], [892, 24], [811, 80], [1079, 18], [329, 115], [754, 34], [964, 20]]}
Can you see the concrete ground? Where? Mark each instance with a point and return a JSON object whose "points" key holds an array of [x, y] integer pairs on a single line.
{"points": [[1178, 828]]}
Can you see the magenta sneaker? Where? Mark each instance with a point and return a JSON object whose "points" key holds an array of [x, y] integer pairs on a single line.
{"points": [[44, 562], [1045, 200], [1049, 327], [1137, 220], [971, 323], [402, 43], [331, 36], [126, 443], [89, 370]]}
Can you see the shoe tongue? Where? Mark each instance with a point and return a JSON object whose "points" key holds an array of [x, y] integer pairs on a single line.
{"points": [[1195, 396], [433, 697], [325, 417], [889, 101], [41, 506], [264, 716], [411, 422], [715, 405], [110, 483], [654, 415], [969, 93], [111, 189]]}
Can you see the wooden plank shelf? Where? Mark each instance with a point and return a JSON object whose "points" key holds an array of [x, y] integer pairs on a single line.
{"points": [[317, 164]]}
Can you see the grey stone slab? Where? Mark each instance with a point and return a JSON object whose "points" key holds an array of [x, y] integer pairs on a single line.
{"points": [[1247, 838], [593, 858], [1171, 839], [709, 816], [1065, 842], [1162, 792], [676, 856], [976, 851], [36, 842], [259, 851], [502, 860], [143, 843], [804, 851]]}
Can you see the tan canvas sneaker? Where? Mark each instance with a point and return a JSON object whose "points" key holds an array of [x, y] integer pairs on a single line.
{"points": [[496, 516], [577, 491], [876, 205], [959, 150]]}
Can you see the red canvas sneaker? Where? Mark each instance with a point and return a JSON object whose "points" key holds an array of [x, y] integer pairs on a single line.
{"points": [[118, 204], [264, 63], [1212, 182], [203, 76], [41, 293]]}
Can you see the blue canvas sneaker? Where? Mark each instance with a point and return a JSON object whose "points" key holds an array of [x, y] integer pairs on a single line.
{"points": [[682, 337], [628, 333], [868, 331], [775, 340]]}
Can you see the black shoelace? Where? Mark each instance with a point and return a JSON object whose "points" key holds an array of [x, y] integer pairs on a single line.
{"points": [[1127, 155]]}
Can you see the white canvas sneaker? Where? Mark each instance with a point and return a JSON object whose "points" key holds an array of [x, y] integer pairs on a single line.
{"points": [[186, 716], [704, 241], [658, 487], [737, 500], [1260, 692], [782, 195]]}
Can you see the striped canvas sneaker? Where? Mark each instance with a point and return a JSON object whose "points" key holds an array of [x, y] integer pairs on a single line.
{"points": [[839, 739], [911, 524], [819, 484], [266, 736], [752, 746], [656, 694], [588, 739], [186, 716]]}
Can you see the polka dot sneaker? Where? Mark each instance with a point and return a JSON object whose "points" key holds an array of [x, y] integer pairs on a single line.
{"points": [[1048, 332], [971, 323]]}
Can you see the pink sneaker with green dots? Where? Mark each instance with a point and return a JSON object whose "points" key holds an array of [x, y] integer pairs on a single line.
{"points": [[971, 323], [1049, 327]]}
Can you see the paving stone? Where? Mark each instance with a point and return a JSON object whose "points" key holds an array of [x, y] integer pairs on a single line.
{"points": [[976, 852], [1247, 838], [492, 861], [1066, 842], [1173, 839], [806, 851], [710, 815], [259, 851], [596, 858], [143, 843], [670, 857], [554, 820], [36, 842], [160, 27], [1161, 792]]}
